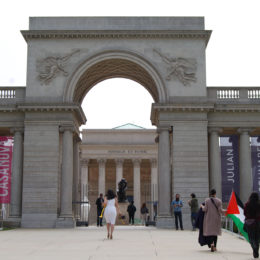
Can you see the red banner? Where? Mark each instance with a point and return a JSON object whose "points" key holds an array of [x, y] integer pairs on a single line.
{"points": [[6, 149]]}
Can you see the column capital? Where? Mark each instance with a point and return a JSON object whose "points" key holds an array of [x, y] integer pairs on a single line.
{"points": [[64, 128], [245, 130], [136, 162], [101, 161], [163, 128], [14, 130], [119, 161], [153, 162], [84, 162], [217, 130]]}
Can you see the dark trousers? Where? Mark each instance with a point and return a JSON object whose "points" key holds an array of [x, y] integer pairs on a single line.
{"points": [[193, 219], [131, 219], [177, 216], [211, 240], [253, 235], [99, 220]]}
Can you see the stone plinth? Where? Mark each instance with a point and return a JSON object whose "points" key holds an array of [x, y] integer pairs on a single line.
{"points": [[123, 209]]}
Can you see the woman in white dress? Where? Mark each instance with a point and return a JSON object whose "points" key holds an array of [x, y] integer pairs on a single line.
{"points": [[111, 210]]}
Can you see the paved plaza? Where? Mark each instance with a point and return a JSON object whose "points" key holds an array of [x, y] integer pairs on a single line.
{"points": [[89, 243]]}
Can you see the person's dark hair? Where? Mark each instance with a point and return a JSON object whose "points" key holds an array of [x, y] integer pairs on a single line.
{"points": [[253, 204], [143, 205], [193, 195], [110, 195], [212, 192]]}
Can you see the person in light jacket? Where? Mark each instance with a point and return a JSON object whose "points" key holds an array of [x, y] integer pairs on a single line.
{"points": [[212, 219]]}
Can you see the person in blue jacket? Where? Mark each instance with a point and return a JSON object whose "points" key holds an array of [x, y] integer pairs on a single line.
{"points": [[177, 205]]}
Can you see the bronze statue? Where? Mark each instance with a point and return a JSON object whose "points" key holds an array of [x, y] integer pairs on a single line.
{"points": [[122, 186]]}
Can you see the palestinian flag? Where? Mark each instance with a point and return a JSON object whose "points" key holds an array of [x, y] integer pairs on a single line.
{"points": [[235, 211]]}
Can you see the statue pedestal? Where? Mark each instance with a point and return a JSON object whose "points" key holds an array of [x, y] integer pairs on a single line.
{"points": [[123, 209]]}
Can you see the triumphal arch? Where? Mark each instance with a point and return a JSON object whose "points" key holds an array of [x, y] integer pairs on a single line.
{"points": [[67, 56]]}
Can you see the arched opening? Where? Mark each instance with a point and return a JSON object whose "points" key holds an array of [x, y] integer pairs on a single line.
{"points": [[116, 141], [108, 155], [115, 102]]}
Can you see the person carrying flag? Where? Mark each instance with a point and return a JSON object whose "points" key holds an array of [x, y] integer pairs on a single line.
{"points": [[212, 219]]}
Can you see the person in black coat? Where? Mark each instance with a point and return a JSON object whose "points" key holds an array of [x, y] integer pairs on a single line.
{"points": [[252, 222], [199, 224], [99, 203], [131, 209]]}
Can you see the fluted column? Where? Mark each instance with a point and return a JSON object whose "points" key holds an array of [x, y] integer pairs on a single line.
{"points": [[119, 171], [164, 219], [137, 186], [101, 176], [245, 171], [67, 172], [154, 184], [17, 173], [84, 179], [215, 161]]}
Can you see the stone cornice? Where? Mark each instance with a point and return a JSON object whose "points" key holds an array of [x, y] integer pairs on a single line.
{"points": [[205, 107], [51, 107], [72, 34]]}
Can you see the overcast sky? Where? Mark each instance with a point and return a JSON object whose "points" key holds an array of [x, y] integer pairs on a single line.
{"points": [[233, 52]]}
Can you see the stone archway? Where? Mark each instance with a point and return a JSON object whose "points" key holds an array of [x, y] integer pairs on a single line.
{"points": [[114, 64], [164, 54], [111, 64]]}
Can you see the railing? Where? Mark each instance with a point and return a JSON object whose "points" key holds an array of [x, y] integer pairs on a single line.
{"points": [[236, 94], [11, 94], [228, 224], [4, 93], [254, 93]]}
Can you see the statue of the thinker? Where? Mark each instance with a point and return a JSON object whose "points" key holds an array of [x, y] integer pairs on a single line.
{"points": [[122, 186]]}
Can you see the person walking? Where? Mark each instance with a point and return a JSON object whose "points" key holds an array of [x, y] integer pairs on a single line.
{"points": [[131, 209], [111, 210], [212, 219], [194, 208], [99, 203], [177, 205], [252, 222], [144, 213]]}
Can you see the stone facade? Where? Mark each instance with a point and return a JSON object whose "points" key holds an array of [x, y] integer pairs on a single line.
{"points": [[67, 56], [113, 154]]}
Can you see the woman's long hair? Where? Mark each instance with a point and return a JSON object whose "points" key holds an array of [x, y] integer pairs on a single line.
{"points": [[110, 195], [254, 204]]}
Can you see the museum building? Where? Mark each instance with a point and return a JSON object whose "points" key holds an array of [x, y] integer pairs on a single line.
{"points": [[196, 125]]}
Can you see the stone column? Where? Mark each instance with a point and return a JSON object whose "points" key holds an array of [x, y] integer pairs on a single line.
{"points": [[17, 174], [245, 171], [154, 185], [119, 171], [215, 180], [137, 187], [76, 176], [84, 179], [101, 176], [66, 216], [164, 218]]}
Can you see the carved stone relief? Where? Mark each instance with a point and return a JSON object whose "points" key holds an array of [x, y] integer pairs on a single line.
{"points": [[180, 68], [52, 66]]}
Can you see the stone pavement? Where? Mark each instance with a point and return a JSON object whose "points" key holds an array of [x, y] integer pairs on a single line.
{"points": [[89, 243]]}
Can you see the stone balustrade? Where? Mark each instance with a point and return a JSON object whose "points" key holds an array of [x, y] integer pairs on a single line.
{"points": [[12, 94], [236, 94]]}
